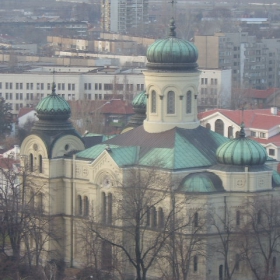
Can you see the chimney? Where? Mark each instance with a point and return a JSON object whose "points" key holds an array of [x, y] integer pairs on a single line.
{"points": [[274, 111]]}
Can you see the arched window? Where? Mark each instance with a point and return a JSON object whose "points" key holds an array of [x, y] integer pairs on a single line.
{"points": [[106, 256], [195, 219], [31, 162], [221, 270], [160, 218], [110, 208], [195, 265], [40, 202], [171, 102], [208, 126], [148, 217], [273, 264], [31, 200], [237, 261], [154, 102], [259, 217], [40, 164], [236, 134], [238, 218], [219, 126], [153, 217], [104, 207], [80, 205], [230, 132], [189, 102], [86, 206]]}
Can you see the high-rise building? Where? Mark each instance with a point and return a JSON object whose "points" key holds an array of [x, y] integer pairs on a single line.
{"points": [[123, 15]]}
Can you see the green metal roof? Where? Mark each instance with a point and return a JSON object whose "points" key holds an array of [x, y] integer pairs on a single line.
{"points": [[140, 100], [242, 151], [172, 52], [201, 182], [174, 149], [53, 107]]}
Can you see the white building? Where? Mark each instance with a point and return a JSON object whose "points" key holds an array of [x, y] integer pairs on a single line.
{"points": [[26, 89], [262, 125]]}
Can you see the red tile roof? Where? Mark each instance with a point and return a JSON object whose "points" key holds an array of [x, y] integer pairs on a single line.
{"points": [[256, 93], [257, 118], [24, 111], [118, 107]]}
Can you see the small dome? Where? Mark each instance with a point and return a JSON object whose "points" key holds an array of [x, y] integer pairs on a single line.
{"points": [[172, 53], [53, 107], [241, 151], [140, 100], [201, 182]]}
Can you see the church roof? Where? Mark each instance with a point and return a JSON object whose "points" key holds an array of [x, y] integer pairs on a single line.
{"points": [[173, 149]]}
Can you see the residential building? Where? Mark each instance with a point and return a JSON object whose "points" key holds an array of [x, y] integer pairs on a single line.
{"points": [[123, 15], [162, 194], [253, 61]]}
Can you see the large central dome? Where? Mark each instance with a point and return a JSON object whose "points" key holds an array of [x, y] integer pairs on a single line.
{"points": [[172, 53]]}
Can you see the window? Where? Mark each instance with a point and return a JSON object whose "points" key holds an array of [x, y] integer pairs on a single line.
{"points": [[73, 86], [208, 126], [271, 152], [31, 86], [85, 86], [17, 85], [273, 264], [38, 86], [110, 208], [171, 102], [42, 86], [238, 218], [195, 264], [237, 261], [59, 86], [96, 86], [86, 206], [31, 162], [160, 218], [108, 87], [154, 216], [148, 222], [259, 217], [0, 85], [221, 270], [11, 96], [100, 86], [262, 135], [62, 86], [69, 86], [31, 96], [27, 85], [253, 133], [49, 86], [106, 256], [219, 126], [189, 102], [17, 96], [154, 102], [230, 132], [40, 164], [7, 96], [7, 85], [80, 205], [195, 219], [11, 85], [20, 96]]}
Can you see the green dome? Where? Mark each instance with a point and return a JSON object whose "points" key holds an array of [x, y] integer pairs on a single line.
{"points": [[172, 53], [241, 151], [201, 182], [140, 100], [53, 107], [275, 178]]}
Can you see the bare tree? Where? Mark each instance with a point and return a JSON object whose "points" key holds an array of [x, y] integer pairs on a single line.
{"points": [[23, 219], [261, 237], [226, 225]]}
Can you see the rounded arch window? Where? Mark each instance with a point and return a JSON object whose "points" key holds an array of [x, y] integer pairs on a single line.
{"points": [[153, 102], [219, 126], [208, 126], [189, 102], [171, 102]]}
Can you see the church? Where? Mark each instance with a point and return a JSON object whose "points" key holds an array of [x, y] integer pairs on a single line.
{"points": [[166, 198]]}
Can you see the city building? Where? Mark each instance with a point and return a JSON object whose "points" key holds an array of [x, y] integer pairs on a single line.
{"points": [[262, 125], [121, 16], [166, 194], [254, 62], [73, 83]]}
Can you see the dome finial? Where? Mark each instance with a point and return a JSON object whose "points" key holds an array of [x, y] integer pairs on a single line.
{"points": [[172, 27], [242, 132], [53, 88]]}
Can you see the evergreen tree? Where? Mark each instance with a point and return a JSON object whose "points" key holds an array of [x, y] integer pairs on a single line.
{"points": [[6, 118]]}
